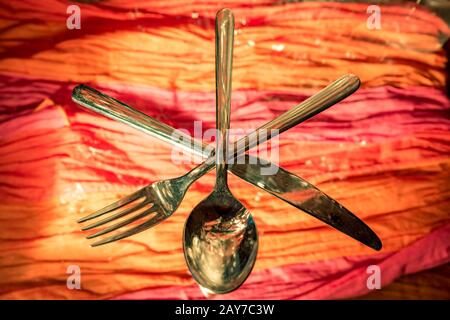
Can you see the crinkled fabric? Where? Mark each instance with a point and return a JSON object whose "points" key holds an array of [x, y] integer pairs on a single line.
{"points": [[384, 152]]}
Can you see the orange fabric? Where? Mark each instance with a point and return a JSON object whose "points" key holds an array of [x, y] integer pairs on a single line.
{"points": [[383, 153], [154, 258], [181, 56]]}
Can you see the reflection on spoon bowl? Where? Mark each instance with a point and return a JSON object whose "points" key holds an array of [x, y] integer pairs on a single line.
{"points": [[220, 243]]}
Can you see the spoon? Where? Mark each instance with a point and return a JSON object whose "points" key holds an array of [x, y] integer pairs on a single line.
{"points": [[220, 239]]}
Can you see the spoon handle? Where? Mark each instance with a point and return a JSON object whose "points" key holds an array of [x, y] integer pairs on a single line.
{"points": [[224, 61]]}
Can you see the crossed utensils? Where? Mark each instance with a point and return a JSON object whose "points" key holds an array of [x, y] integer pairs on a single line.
{"points": [[159, 200]]}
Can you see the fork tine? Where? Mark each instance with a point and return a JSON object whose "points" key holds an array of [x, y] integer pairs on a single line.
{"points": [[123, 223], [116, 216], [144, 226], [120, 203]]}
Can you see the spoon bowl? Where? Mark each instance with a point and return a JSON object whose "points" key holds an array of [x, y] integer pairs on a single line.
{"points": [[220, 243]]}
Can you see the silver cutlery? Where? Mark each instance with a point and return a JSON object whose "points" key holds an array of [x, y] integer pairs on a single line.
{"points": [[162, 198], [220, 240], [282, 184]]}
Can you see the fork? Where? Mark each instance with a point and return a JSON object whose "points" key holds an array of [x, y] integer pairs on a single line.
{"points": [[162, 198]]}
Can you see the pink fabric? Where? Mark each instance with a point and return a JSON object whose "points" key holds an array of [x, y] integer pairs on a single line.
{"points": [[331, 279]]}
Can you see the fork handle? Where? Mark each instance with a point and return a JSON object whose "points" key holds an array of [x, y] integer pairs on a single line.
{"points": [[325, 98]]}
